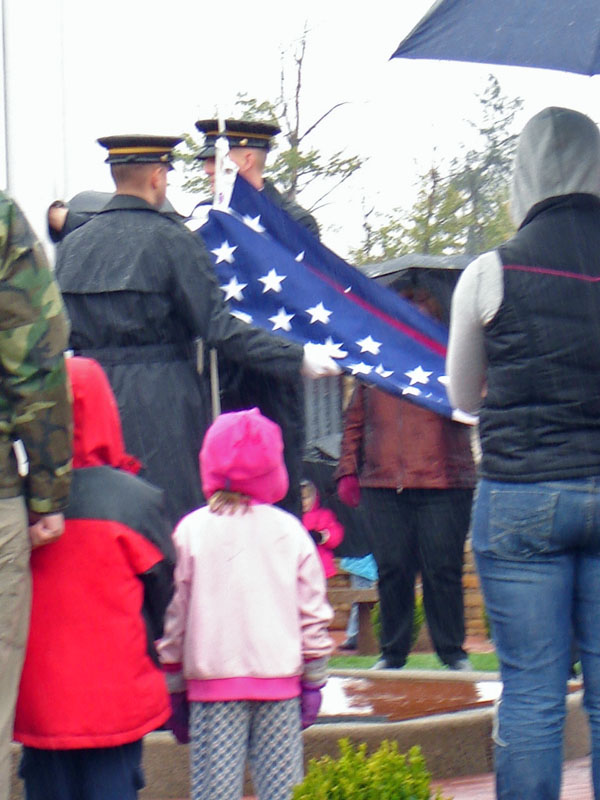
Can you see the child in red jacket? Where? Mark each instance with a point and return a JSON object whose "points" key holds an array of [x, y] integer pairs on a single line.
{"points": [[323, 526], [91, 687]]}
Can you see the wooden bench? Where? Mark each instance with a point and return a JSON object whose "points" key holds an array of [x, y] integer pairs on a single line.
{"points": [[365, 599]]}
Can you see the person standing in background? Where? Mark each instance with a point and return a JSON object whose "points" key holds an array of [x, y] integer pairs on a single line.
{"points": [[414, 472], [141, 291], [279, 397]]}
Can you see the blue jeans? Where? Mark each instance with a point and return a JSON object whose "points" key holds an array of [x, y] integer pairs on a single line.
{"points": [[537, 548], [356, 582]]}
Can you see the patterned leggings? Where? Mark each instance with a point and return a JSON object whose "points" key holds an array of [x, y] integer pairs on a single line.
{"points": [[223, 734]]}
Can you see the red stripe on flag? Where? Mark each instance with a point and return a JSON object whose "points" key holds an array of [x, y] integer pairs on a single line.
{"points": [[434, 346]]}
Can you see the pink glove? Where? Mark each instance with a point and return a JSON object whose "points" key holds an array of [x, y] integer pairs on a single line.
{"points": [[348, 490], [310, 703], [178, 722]]}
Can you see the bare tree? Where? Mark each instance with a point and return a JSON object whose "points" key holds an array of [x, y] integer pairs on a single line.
{"points": [[297, 165]]}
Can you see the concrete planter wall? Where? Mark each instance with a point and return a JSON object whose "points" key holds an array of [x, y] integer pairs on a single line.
{"points": [[454, 744]]}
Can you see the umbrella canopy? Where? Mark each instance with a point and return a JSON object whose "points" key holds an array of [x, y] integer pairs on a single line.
{"points": [[435, 274], [91, 202], [552, 34]]}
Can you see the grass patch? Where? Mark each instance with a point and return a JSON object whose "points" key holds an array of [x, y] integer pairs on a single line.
{"points": [[484, 662]]}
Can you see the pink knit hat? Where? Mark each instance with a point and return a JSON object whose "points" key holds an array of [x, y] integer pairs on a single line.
{"points": [[243, 452]]}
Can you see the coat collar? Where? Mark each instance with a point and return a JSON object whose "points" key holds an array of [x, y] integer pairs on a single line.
{"points": [[128, 201]]}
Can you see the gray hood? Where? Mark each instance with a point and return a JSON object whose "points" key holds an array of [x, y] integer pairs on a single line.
{"points": [[558, 153]]}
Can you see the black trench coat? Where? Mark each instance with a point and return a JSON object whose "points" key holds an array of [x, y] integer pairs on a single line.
{"points": [[140, 290]]}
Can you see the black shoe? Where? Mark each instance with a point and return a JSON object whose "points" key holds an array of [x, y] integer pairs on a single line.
{"points": [[350, 644], [461, 665], [383, 663]]}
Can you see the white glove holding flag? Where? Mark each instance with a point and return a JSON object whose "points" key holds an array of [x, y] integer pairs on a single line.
{"points": [[225, 174], [318, 362]]}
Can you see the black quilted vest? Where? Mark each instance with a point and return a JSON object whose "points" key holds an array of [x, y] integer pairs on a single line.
{"points": [[541, 417]]}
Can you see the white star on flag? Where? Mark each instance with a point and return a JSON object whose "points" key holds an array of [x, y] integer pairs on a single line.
{"points": [[360, 368], [417, 375], [334, 349], [369, 345], [272, 281], [225, 252], [242, 315], [298, 289], [254, 223], [319, 313], [233, 289], [282, 320], [443, 379]]}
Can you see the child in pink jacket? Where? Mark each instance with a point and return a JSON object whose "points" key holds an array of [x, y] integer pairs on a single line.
{"points": [[246, 632], [326, 531]]}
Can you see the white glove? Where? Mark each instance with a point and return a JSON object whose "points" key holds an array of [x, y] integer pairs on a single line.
{"points": [[317, 362]]}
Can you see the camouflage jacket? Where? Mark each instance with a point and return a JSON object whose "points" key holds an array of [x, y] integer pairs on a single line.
{"points": [[35, 404]]}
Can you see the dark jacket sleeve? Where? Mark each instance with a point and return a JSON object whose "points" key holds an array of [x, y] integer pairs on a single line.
{"points": [[296, 212], [35, 405], [158, 579], [73, 220]]}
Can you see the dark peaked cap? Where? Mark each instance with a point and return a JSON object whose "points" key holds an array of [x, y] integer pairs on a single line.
{"points": [[239, 133], [139, 149]]}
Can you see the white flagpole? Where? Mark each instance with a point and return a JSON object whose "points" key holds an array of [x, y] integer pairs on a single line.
{"points": [[5, 174], [218, 202]]}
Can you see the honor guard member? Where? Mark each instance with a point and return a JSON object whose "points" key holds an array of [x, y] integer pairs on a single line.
{"points": [[249, 145], [140, 291], [281, 398]]}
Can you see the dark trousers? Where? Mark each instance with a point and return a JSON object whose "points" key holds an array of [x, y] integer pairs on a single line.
{"points": [[412, 531], [106, 773]]}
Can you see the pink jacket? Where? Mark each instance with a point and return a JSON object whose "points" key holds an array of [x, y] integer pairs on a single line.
{"points": [[249, 616], [323, 519]]}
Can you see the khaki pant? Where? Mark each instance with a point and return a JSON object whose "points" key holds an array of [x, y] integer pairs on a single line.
{"points": [[15, 604]]}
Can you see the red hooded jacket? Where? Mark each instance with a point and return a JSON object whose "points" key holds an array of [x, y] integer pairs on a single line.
{"points": [[90, 677]]}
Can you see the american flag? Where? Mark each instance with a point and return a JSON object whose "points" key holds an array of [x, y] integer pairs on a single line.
{"points": [[276, 275]]}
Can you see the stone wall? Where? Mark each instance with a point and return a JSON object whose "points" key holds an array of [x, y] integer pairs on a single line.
{"points": [[474, 608]]}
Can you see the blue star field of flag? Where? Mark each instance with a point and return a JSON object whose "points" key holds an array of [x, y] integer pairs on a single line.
{"points": [[276, 275]]}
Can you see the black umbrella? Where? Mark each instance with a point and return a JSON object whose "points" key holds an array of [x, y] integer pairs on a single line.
{"points": [[437, 275], [553, 34], [91, 202]]}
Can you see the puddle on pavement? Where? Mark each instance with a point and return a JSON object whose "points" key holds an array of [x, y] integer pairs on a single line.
{"points": [[389, 700], [369, 700]]}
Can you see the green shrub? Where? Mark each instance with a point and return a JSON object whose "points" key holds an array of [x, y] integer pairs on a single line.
{"points": [[385, 775], [418, 620]]}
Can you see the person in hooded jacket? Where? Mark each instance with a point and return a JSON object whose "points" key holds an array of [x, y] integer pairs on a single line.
{"points": [[524, 352], [246, 632], [324, 528], [91, 686]]}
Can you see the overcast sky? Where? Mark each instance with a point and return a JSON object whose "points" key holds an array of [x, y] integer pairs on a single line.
{"points": [[80, 69]]}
